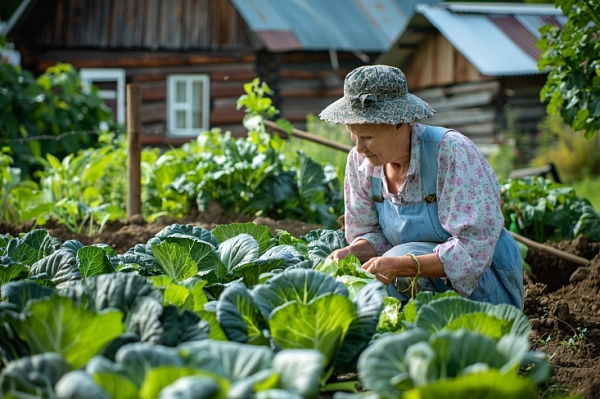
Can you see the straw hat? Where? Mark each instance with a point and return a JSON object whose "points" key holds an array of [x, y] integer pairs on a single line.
{"points": [[376, 94]]}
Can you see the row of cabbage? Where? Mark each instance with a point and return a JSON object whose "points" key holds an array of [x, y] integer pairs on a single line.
{"points": [[237, 312]]}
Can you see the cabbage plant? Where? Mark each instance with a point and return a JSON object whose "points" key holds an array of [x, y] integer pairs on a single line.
{"points": [[303, 309]]}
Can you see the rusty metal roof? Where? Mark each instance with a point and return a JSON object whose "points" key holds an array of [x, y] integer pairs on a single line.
{"points": [[498, 39], [344, 25]]}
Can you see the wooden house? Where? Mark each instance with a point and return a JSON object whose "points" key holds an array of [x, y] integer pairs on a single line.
{"points": [[476, 64], [191, 58]]}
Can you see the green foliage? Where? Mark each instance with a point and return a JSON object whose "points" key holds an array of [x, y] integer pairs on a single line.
{"points": [[110, 334], [53, 106], [319, 153], [574, 156], [589, 188], [571, 56], [544, 210]]}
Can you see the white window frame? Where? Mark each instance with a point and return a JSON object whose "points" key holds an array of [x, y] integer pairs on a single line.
{"points": [[90, 76], [173, 106]]}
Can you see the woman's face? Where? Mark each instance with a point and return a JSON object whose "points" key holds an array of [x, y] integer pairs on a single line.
{"points": [[381, 143]]}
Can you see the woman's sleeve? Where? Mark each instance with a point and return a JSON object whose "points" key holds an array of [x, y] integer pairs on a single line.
{"points": [[469, 209], [361, 219]]}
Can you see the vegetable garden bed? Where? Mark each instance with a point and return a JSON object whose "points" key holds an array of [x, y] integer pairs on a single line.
{"points": [[562, 300]]}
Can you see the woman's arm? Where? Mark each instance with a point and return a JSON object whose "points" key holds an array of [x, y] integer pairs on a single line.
{"points": [[386, 268], [362, 249]]}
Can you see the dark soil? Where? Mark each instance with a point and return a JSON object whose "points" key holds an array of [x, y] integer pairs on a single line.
{"points": [[562, 299]]}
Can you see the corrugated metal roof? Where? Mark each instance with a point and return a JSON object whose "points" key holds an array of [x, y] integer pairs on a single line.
{"points": [[498, 39], [344, 25]]}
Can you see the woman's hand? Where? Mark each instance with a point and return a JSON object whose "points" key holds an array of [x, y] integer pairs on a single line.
{"points": [[384, 268], [339, 254]]}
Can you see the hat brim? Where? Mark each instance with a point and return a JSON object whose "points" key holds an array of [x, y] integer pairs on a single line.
{"points": [[404, 110]]}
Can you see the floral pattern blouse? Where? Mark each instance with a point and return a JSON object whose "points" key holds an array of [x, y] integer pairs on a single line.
{"points": [[468, 205]]}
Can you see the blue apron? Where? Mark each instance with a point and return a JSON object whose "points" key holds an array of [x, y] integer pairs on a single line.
{"points": [[416, 228]]}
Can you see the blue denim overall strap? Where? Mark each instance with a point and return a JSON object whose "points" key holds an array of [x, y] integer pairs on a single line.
{"points": [[416, 228], [416, 222]]}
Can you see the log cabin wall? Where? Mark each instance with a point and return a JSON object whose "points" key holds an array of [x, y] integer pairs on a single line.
{"points": [[469, 102], [150, 39]]}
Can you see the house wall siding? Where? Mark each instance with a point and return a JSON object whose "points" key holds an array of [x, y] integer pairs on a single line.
{"points": [[481, 107], [145, 24]]}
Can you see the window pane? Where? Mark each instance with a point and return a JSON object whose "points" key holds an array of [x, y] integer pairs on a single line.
{"points": [[180, 120], [180, 92]]}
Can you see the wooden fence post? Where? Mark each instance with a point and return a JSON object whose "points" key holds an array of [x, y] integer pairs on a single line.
{"points": [[134, 127]]}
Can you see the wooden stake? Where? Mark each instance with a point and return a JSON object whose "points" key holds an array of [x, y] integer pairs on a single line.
{"points": [[134, 128]]}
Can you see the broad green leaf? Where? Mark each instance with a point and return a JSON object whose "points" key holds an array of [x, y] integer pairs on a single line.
{"points": [[181, 326], [300, 370], [32, 247], [178, 296], [457, 350], [231, 360], [92, 261], [58, 267], [239, 317], [250, 273], [161, 377], [194, 386], [238, 250], [175, 260], [56, 324], [489, 384], [310, 179], [262, 234], [203, 252], [302, 285], [321, 324], [382, 362], [16, 377], [115, 290], [79, 384], [435, 315], [12, 272], [19, 293], [369, 303], [482, 323], [138, 359]]}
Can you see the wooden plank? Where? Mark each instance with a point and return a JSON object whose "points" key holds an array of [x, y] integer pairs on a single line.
{"points": [[138, 16], [203, 24], [151, 23], [478, 129], [117, 24], [444, 64], [220, 90], [460, 101], [470, 87], [306, 93], [226, 114], [163, 25], [101, 23], [153, 112], [462, 117], [153, 91]]}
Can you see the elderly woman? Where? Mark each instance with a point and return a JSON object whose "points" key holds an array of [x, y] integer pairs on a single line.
{"points": [[422, 203]]}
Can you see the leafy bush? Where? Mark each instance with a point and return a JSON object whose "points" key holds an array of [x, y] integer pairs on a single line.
{"points": [[575, 156], [545, 210], [48, 115]]}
